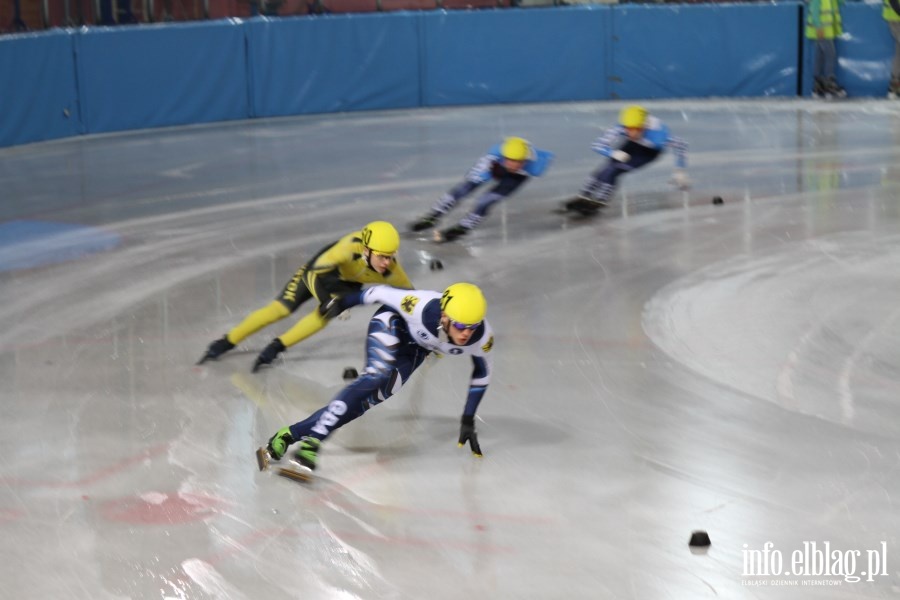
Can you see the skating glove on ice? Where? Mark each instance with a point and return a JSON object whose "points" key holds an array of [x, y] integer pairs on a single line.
{"points": [[680, 180], [467, 434], [620, 155]]}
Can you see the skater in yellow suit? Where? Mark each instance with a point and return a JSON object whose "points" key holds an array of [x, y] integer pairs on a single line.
{"points": [[366, 256]]}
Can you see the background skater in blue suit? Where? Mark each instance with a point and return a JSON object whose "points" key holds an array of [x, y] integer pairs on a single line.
{"points": [[637, 140], [510, 163]]}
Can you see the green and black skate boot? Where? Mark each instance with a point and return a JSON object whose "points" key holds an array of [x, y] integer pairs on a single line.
{"points": [[216, 349], [275, 449], [306, 455]]}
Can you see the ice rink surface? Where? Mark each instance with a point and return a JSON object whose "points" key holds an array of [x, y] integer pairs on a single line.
{"points": [[668, 367]]}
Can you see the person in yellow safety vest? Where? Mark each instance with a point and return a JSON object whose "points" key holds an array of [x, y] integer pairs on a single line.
{"points": [[891, 14], [823, 25]]}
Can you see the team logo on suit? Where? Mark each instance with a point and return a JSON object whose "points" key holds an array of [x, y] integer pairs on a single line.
{"points": [[409, 304]]}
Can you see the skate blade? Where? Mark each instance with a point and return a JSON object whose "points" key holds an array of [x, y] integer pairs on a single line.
{"points": [[296, 472], [262, 458]]}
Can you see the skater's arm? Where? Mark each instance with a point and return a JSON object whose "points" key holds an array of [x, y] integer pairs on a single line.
{"points": [[540, 164], [377, 294], [482, 363], [480, 172], [338, 304], [679, 148], [604, 144], [481, 377]]}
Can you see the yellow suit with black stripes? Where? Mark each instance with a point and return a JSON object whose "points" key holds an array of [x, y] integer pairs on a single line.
{"points": [[337, 269]]}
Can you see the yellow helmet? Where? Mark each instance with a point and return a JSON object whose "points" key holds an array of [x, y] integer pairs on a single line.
{"points": [[380, 237], [464, 303], [516, 148], [633, 116]]}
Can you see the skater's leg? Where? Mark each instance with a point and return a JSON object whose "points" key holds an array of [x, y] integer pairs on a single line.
{"points": [[271, 313], [600, 187], [392, 356], [444, 204], [504, 188], [292, 296], [322, 287]]}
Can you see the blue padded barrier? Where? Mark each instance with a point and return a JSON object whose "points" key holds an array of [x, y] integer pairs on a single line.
{"points": [[681, 51], [333, 63], [515, 55], [38, 94], [94, 80], [155, 76]]}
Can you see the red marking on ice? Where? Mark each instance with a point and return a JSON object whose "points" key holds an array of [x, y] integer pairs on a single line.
{"points": [[94, 477], [280, 534], [10, 514], [157, 508]]}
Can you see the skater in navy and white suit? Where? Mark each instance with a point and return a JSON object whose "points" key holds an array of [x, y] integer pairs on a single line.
{"points": [[409, 326]]}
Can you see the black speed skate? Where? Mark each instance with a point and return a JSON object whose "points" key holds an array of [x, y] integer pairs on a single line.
{"points": [[426, 222], [450, 234], [268, 354], [216, 349], [584, 205]]}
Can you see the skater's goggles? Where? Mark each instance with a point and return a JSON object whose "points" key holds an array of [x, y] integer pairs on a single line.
{"points": [[382, 255], [463, 327]]}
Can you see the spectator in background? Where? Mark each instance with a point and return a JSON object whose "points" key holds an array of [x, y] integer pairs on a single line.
{"points": [[823, 25], [891, 14]]}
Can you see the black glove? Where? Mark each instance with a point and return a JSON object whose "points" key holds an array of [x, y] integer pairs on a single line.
{"points": [[467, 434], [498, 171], [332, 308]]}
